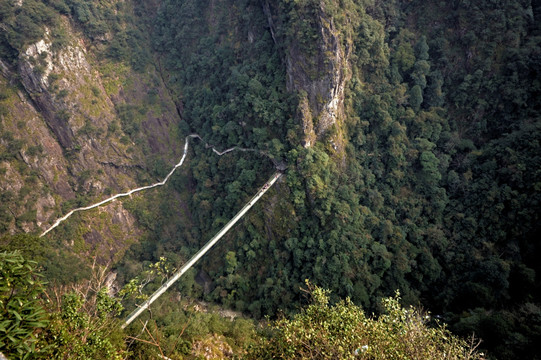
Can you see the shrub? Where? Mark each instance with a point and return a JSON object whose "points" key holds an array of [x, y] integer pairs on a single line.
{"points": [[343, 331]]}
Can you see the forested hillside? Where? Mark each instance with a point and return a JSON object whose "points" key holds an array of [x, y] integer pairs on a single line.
{"points": [[411, 133]]}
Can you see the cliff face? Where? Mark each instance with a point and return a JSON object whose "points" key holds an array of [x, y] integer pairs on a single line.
{"points": [[36, 83], [70, 122], [319, 71], [78, 126]]}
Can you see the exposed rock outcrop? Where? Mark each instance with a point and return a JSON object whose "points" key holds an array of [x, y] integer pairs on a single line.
{"points": [[34, 79], [319, 72]]}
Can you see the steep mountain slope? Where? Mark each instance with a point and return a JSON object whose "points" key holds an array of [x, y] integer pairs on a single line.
{"points": [[77, 126], [410, 131]]}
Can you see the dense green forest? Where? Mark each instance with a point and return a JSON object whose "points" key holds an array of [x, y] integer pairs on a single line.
{"points": [[428, 181], [83, 324]]}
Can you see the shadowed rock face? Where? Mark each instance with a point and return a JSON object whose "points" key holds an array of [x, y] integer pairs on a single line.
{"points": [[36, 86], [45, 105]]}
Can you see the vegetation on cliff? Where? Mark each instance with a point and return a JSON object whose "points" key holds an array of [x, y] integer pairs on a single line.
{"points": [[344, 331], [411, 131]]}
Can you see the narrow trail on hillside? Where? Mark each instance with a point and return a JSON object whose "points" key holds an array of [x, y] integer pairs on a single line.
{"points": [[161, 183]]}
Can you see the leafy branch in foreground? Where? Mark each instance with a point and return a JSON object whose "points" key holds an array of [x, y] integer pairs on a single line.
{"points": [[61, 322], [21, 316]]}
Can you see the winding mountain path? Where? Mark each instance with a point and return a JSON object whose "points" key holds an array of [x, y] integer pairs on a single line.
{"points": [[161, 183], [208, 245]]}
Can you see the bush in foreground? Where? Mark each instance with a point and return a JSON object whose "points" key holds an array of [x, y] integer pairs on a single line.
{"points": [[343, 331]]}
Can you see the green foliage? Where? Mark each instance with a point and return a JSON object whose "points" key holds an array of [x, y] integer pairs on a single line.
{"points": [[185, 328], [82, 326], [300, 29], [237, 93], [429, 163], [231, 261], [416, 97], [23, 25], [436, 193], [85, 327], [21, 315], [63, 115], [58, 266], [96, 17], [11, 146], [101, 22], [343, 331], [404, 55], [131, 117]]}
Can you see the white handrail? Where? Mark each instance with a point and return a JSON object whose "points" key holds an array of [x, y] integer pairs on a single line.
{"points": [[161, 183]]}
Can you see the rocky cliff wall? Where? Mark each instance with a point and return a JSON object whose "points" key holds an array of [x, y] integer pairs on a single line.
{"points": [[64, 143], [317, 55]]}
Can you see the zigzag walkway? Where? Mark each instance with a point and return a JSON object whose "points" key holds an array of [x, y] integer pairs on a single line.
{"points": [[161, 183]]}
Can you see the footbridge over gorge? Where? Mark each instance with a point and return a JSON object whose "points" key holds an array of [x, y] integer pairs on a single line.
{"points": [[280, 166], [203, 250]]}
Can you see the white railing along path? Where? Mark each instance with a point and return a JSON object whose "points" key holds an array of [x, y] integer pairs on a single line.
{"points": [[161, 183]]}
